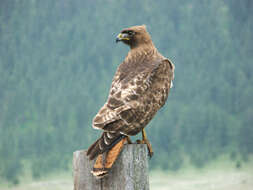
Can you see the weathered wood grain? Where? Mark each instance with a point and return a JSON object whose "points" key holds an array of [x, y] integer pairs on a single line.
{"points": [[130, 172]]}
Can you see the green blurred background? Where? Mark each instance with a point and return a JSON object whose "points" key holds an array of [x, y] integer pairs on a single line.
{"points": [[57, 60]]}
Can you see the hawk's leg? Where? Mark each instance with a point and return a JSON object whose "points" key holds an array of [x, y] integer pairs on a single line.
{"points": [[129, 140], [146, 141]]}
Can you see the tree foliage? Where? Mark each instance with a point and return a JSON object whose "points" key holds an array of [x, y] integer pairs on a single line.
{"points": [[57, 60]]}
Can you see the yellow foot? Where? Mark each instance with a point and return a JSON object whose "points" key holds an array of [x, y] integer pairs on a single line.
{"points": [[146, 141], [150, 151]]}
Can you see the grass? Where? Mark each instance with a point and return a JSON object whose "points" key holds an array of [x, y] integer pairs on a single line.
{"points": [[219, 175], [205, 180]]}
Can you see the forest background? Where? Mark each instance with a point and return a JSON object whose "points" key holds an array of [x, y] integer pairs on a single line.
{"points": [[57, 60]]}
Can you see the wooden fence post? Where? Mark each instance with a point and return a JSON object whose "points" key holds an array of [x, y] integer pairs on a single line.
{"points": [[130, 172]]}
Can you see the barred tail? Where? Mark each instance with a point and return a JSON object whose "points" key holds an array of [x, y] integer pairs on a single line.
{"points": [[105, 161], [104, 144]]}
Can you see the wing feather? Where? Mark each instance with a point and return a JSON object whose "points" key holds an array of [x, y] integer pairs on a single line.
{"points": [[119, 111]]}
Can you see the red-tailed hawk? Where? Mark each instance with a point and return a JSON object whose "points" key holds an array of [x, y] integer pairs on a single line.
{"points": [[139, 89]]}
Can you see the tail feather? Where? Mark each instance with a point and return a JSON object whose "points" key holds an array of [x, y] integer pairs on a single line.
{"points": [[104, 143], [103, 165]]}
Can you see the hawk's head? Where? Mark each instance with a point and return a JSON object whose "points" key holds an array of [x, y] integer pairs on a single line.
{"points": [[134, 36]]}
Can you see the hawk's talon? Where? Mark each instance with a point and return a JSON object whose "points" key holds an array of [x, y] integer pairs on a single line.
{"points": [[150, 151], [145, 141], [129, 140], [150, 154]]}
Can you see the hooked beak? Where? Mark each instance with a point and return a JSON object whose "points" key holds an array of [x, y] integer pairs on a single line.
{"points": [[121, 37]]}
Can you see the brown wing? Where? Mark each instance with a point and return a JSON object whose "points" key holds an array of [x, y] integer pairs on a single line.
{"points": [[123, 97], [124, 109]]}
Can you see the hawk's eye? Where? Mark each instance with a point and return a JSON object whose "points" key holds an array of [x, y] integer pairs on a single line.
{"points": [[130, 32]]}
